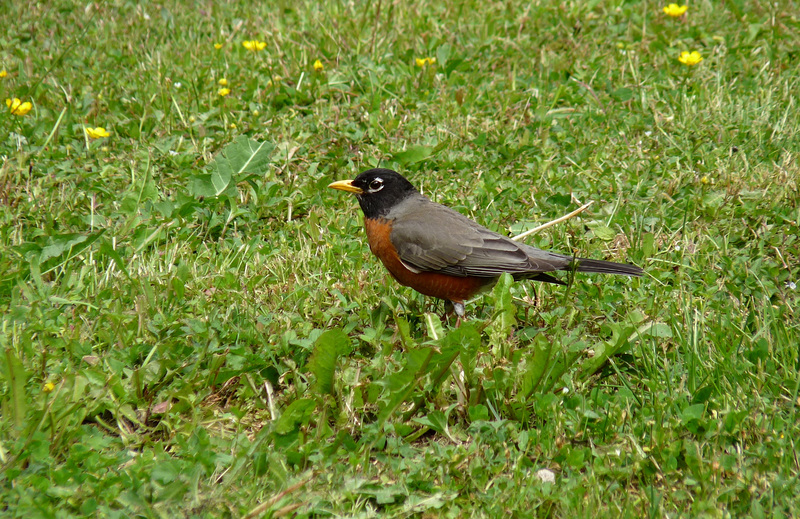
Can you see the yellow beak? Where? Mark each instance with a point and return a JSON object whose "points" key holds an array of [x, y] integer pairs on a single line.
{"points": [[346, 185]]}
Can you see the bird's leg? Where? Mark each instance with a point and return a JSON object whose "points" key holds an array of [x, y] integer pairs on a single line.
{"points": [[454, 306], [448, 309], [459, 308]]}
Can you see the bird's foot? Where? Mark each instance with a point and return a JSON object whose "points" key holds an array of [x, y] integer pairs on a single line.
{"points": [[458, 308]]}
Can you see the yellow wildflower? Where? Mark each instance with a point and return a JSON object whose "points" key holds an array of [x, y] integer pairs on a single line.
{"points": [[675, 10], [254, 45], [97, 133], [223, 82], [232, 126], [3, 73], [217, 46], [318, 66], [690, 58], [223, 91], [421, 62], [48, 387], [17, 107], [705, 180]]}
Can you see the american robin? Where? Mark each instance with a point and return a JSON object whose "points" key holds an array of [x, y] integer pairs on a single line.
{"points": [[440, 252]]}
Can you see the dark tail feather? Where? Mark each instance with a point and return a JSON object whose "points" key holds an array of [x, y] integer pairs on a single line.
{"points": [[607, 267]]}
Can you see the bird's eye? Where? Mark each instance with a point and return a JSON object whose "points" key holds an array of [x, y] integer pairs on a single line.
{"points": [[376, 185]]}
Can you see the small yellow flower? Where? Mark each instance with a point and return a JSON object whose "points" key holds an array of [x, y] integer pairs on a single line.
{"points": [[232, 126], [256, 113], [17, 107], [48, 387], [217, 46], [421, 62], [675, 10], [254, 45], [3, 73], [318, 66], [223, 91], [690, 58], [223, 82], [97, 133], [192, 119], [705, 181]]}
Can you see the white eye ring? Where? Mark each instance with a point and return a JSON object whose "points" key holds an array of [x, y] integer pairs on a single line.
{"points": [[376, 185]]}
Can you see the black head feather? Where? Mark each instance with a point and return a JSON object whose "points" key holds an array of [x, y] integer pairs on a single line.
{"points": [[381, 189]]}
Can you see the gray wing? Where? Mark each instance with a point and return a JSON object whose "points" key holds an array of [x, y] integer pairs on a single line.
{"points": [[436, 238]]}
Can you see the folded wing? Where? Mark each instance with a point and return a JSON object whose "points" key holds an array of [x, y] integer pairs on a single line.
{"points": [[442, 240]]}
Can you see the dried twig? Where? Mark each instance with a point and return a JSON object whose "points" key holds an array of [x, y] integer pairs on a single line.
{"points": [[552, 223], [263, 507]]}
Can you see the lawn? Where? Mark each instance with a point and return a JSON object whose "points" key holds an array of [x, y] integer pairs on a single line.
{"points": [[192, 324]]}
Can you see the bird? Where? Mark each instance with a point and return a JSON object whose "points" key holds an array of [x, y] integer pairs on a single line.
{"points": [[441, 253]]}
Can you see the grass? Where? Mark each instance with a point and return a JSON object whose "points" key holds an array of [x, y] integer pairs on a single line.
{"points": [[184, 335]]}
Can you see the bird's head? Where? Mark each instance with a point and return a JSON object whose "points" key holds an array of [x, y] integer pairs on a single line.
{"points": [[377, 190]]}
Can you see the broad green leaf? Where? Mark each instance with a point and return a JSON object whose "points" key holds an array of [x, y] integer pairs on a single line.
{"points": [[648, 245], [69, 245], [202, 186], [521, 227], [603, 232], [401, 385], [61, 243], [16, 378], [434, 325], [443, 54], [415, 358], [505, 311], [692, 412], [245, 155], [466, 340], [703, 394], [106, 249], [538, 365], [322, 363], [478, 412], [404, 329], [442, 359], [662, 330], [389, 494], [298, 413], [605, 349], [713, 201], [436, 420], [236, 162], [413, 154], [417, 504], [622, 94], [220, 176]]}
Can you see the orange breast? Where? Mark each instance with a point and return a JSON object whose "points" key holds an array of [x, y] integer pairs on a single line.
{"points": [[432, 284]]}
